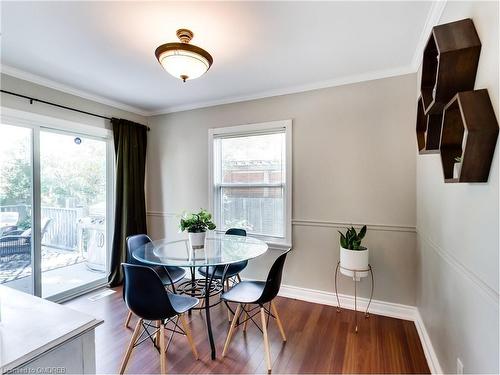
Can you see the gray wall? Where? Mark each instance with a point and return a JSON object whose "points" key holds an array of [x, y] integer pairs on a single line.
{"points": [[458, 232], [353, 161]]}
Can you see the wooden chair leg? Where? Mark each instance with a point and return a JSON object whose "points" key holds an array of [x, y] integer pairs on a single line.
{"points": [[163, 352], [189, 337], [278, 320], [238, 277], [158, 323], [247, 318], [130, 347], [231, 329], [127, 321], [266, 341]]}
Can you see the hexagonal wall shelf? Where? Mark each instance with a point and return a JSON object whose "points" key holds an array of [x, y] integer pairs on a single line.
{"points": [[428, 130], [469, 137], [449, 64]]}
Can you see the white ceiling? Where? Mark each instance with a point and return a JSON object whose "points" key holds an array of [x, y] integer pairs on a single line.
{"points": [[259, 48]]}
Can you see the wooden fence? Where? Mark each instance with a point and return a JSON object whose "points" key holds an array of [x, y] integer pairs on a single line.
{"points": [[62, 231]]}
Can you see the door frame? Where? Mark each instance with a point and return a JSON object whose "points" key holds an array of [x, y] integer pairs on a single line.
{"points": [[37, 123]]}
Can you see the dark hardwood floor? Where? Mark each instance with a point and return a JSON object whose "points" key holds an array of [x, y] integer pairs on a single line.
{"points": [[319, 340]]}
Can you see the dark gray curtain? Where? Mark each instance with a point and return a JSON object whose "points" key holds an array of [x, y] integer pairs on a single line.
{"points": [[130, 141]]}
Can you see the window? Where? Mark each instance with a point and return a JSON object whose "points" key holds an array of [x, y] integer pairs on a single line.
{"points": [[250, 179]]}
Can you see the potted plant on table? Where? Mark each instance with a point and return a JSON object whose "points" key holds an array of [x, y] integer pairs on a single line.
{"points": [[353, 256], [197, 224]]}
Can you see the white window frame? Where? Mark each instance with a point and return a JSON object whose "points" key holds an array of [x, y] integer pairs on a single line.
{"points": [[38, 123], [248, 130]]}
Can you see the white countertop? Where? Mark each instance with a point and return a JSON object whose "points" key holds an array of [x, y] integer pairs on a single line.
{"points": [[30, 326]]}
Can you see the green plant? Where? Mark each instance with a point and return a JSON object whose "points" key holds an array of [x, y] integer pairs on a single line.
{"points": [[197, 222], [351, 239]]}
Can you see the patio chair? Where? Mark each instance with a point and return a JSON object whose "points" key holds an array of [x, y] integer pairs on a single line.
{"points": [[19, 241], [8, 221]]}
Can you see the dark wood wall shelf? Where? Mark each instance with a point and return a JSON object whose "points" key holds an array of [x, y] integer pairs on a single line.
{"points": [[470, 132], [449, 63], [428, 130]]}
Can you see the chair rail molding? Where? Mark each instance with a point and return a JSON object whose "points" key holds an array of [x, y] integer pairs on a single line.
{"points": [[318, 223], [161, 214], [342, 224], [481, 285]]}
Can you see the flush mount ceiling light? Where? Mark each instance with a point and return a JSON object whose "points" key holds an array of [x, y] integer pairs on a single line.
{"points": [[183, 60]]}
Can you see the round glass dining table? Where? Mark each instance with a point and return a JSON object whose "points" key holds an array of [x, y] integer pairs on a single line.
{"points": [[220, 250]]}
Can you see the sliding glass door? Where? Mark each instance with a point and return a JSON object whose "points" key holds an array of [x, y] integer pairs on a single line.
{"points": [[55, 199], [16, 187], [73, 211]]}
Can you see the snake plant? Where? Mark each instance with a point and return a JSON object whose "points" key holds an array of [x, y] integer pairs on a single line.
{"points": [[351, 240]]}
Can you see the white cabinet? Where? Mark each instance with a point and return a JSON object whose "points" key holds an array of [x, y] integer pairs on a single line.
{"points": [[38, 336]]}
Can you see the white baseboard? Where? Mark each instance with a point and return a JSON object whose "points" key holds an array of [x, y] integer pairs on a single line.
{"points": [[429, 352], [390, 309], [393, 310]]}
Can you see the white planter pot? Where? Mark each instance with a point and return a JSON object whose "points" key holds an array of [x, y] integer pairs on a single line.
{"points": [[457, 167], [197, 240], [353, 260]]}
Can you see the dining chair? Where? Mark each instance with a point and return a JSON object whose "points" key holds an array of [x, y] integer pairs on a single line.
{"points": [[233, 270], [257, 293], [147, 297], [168, 275]]}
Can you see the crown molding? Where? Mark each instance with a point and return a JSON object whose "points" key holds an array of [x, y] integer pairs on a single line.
{"points": [[33, 78], [432, 20], [358, 78], [370, 76]]}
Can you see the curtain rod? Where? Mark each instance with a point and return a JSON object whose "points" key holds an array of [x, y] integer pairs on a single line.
{"points": [[60, 106]]}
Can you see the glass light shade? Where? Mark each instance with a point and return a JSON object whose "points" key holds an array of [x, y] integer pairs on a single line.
{"points": [[184, 64]]}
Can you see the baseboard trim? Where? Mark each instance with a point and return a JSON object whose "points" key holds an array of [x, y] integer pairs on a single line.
{"points": [[390, 309], [393, 310], [429, 352]]}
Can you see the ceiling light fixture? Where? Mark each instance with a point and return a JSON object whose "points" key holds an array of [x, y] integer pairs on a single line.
{"points": [[183, 60]]}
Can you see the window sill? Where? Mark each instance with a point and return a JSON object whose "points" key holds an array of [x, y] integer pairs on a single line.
{"points": [[278, 246], [273, 245]]}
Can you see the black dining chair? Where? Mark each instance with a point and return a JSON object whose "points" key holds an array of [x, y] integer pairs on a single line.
{"points": [[233, 270], [146, 297], [257, 293], [168, 275]]}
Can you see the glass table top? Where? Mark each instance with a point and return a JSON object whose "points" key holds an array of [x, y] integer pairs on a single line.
{"points": [[220, 249]]}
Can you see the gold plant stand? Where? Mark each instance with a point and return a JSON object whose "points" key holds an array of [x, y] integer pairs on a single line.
{"points": [[369, 269]]}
